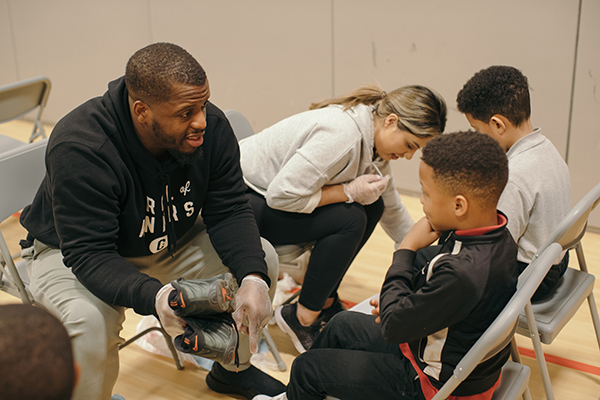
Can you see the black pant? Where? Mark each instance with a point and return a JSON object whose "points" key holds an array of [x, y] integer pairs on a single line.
{"points": [[351, 360], [340, 230]]}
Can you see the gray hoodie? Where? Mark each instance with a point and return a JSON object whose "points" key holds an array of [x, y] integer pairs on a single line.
{"points": [[289, 162]]}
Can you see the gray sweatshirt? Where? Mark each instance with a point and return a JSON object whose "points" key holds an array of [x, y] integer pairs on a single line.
{"points": [[289, 162], [538, 193]]}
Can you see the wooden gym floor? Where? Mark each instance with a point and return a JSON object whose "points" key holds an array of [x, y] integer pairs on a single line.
{"points": [[573, 358]]}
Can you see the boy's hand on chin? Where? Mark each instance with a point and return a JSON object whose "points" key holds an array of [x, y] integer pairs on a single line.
{"points": [[419, 236]]}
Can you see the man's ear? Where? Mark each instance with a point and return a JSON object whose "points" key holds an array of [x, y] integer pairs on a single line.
{"points": [[498, 124], [461, 205], [140, 111]]}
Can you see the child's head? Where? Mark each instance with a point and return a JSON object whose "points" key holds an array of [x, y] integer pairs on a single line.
{"points": [[462, 175], [498, 89]]}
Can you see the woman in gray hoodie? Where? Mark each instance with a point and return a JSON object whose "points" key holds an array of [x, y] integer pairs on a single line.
{"points": [[324, 176]]}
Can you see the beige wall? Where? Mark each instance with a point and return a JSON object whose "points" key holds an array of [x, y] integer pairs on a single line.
{"points": [[269, 59]]}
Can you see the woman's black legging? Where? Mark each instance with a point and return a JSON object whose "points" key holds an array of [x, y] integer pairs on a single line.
{"points": [[339, 231]]}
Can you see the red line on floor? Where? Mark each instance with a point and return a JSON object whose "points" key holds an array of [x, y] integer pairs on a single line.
{"points": [[563, 362]]}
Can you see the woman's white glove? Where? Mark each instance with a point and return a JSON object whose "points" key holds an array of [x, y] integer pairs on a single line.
{"points": [[252, 302], [365, 189], [170, 322]]}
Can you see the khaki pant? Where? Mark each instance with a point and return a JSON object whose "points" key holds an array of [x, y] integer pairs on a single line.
{"points": [[94, 326]]}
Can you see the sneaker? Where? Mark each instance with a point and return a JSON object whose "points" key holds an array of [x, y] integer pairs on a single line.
{"points": [[328, 313], [214, 338], [282, 396], [302, 336], [200, 297], [247, 383]]}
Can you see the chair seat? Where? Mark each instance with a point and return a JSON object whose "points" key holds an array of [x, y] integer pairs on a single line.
{"points": [[7, 286], [289, 252], [7, 143], [515, 378], [553, 313]]}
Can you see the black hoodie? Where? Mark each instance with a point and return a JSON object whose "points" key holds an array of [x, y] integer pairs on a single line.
{"points": [[105, 197]]}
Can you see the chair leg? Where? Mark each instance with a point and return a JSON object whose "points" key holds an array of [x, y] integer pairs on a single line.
{"points": [[273, 348], [167, 340], [172, 349], [591, 300], [539, 353], [595, 319], [514, 351], [526, 394], [292, 297]]}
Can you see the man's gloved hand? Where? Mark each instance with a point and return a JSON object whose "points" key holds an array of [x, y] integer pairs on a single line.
{"points": [[170, 322], [365, 189], [253, 301]]}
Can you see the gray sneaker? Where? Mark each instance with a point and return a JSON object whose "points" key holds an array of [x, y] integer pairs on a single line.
{"points": [[215, 338], [201, 297]]}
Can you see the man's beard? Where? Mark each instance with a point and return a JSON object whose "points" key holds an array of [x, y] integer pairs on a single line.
{"points": [[182, 158], [187, 158]]}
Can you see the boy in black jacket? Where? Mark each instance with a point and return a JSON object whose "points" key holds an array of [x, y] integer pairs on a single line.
{"points": [[428, 316]]}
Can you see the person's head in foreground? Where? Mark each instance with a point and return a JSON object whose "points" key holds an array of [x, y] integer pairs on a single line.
{"points": [[36, 359]]}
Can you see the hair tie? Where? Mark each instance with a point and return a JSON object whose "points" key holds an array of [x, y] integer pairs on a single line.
{"points": [[383, 94]]}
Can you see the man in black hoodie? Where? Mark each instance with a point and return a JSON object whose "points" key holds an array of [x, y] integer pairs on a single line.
{"points": [[143, 186]]}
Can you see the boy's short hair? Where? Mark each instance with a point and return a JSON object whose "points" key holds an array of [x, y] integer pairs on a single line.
{"points": [[36, 357], [498, 89], [468, 163]]}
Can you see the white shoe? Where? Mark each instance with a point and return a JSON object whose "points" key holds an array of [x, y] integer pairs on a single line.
{"points": [[281, 396]]}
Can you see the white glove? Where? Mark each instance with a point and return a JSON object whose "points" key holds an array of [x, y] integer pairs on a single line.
{"points": [[170, 322], [252, 301], [365, 189]]}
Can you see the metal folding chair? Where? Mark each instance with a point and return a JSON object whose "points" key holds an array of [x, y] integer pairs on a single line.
{"points": [[515, 376], [20, 98], [544, 320], [21, 171]]}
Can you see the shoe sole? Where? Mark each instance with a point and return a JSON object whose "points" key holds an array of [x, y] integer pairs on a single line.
{"points": [[288, 330], [222, 294]]}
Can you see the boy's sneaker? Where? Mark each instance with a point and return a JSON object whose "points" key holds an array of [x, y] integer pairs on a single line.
{"points": [[302, 336], [247, 383], [200, 297], [215, 338], [329, 312]]}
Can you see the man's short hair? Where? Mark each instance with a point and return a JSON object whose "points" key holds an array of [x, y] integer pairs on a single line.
{"points": [[468, 163], [36, 358], [152, 71], [498, 89]]}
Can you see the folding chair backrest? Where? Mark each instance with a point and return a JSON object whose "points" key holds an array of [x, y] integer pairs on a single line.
{"points": [[19, 98], [21, 172], [572, 228], [240, 125], [500, 332]]}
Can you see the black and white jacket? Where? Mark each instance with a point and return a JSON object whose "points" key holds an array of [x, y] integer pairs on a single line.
{"points": [[440, 308]]}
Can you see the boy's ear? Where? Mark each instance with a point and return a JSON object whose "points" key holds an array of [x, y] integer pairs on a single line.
{"points": [[461, 205], [498, 124]]}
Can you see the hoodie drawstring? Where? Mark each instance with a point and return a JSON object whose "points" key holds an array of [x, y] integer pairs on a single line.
{"points": [[169, 220]]}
